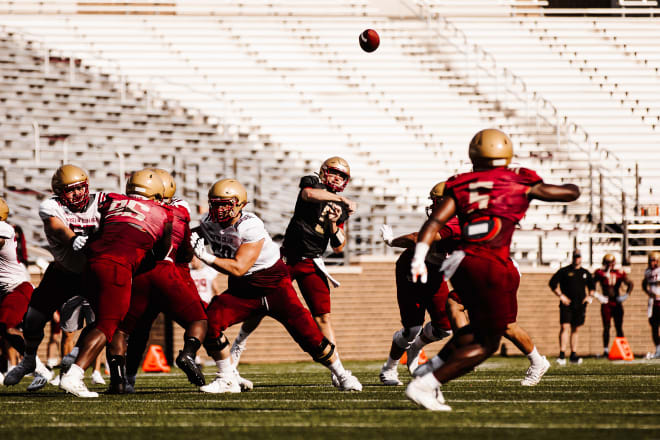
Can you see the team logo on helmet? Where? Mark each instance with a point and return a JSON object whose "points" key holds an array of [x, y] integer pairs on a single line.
{"points": [[227, 197], [491, 148], [145, 183], [339, 167], [71, 186]]}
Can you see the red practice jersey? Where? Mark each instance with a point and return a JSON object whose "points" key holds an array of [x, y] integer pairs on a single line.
{"points": [[489, 204], [610, 281], [121, 217], [180, 227]]}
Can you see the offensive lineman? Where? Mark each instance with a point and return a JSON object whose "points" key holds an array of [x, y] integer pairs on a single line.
{"points": [[259, 284], [651, 285], [489, 202]]}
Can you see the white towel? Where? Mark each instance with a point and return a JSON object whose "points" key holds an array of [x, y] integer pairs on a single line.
{"points": [[451, 263], [321, 266]]}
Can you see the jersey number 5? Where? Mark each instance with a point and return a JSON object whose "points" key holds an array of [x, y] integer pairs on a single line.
{"points": [[479, 195], [128, 208]]}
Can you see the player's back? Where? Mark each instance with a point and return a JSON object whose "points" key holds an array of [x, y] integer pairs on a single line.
{"points": [[12, 272], [489, 204]]}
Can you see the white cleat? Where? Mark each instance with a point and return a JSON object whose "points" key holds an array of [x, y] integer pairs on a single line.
{"points": [[15, 374], [2, 377], [223, 383], [389, 377], [55, 381], [561, 361], [72, 382], [246, 385], [42, 370], [348, 382], [38, 383], [535, 373], [412, 358], [97, 378], [423, 395], [236, 351], [650, 356], [334, 380]]}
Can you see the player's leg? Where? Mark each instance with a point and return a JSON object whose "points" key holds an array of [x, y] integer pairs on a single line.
{"points": [[54, 342], [579, 314], [654, 321], [606, 317], [617, 315], [239, 344], [137, 344], [539, 365], [13, 306]]}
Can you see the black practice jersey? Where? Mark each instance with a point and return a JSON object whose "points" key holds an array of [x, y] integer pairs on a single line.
{"points": [[573, 282], [309, 230]]}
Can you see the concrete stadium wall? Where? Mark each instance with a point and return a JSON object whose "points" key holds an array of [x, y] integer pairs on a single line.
{"points": [[365, 315]]}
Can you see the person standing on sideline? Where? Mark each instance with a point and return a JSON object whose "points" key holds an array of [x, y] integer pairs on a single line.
{"points": [[571, 284], [651, 285]]}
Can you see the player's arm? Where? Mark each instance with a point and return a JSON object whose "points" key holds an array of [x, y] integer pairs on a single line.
{"points": [[337, 236], [56, 229], [244, 259], [554, 193], [645, 288], [432, 226], [629, 284], [554, 286], [320, 195]]}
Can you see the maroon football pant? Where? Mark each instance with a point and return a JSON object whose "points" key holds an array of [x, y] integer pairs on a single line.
{"points": [[313, 285], [14, 304], [612, 311], [487, 287], [166, 287], [267, 292], [416, 298]]}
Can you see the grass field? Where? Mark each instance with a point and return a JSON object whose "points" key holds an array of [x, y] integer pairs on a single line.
{"points": [[598, 399]]}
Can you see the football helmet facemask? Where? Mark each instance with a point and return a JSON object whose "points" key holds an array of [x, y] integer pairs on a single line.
{"points": [[227, 198], [339, 167], [168, 182], [145, 183], [71, 186], [435, 195], [490, 148], [4, 210]]}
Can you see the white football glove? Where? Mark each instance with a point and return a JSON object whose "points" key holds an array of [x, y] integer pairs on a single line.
{"points": [[622, 298], [601, 298], [199, 248], [387, 234], [79, 242], [418, 265]]}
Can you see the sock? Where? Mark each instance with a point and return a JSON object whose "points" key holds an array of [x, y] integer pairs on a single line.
{"points": [[436, 362], [391, 364], [51, 362], [429, 380], [562, 355], [573, 355], [241, 338], [337, 368], [534, 357], [224, 365], [74, 352]]}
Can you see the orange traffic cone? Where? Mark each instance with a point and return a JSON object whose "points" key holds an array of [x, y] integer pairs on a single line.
{"points": [[155, 360], [621, 350], [422, 358]]}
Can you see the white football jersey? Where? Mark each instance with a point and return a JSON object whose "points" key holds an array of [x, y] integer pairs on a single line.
{"points": [[652, 277], [249, 228], [203, 279], [81, 223], [12, 272]]}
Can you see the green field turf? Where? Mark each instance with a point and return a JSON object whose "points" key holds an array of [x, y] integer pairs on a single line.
{"points": [[598, 399]]}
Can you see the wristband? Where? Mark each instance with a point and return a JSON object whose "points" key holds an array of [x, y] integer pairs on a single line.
{"points": [[337, 239]]}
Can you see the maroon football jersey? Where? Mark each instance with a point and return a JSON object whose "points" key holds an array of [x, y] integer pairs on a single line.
{"points": [[180, 225], [489, 204], [610, 281]]}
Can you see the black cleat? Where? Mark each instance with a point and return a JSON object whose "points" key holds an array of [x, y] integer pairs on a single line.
{"points": [[187, 364], [118, 387]]}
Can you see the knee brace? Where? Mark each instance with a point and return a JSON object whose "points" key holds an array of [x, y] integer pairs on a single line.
{"points": [[216, 344], [432, 332], [323, 352], [404, 337]]}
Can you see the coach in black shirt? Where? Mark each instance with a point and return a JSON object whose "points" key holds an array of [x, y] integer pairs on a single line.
{"points": [[571, 284]]}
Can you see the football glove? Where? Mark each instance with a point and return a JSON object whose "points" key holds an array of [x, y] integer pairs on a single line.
{"points": [[199, 248], [387, 234], [601, 298], [622, 298], [79, 242], [418, 265]]}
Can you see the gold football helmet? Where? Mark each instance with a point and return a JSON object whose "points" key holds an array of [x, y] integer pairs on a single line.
{"points": [[490, 148], [608, 259], [653, 256], [435, 195], [168, 182], [66, 180], [4, 210], [335, 165], [227, 197], [145, 183]]}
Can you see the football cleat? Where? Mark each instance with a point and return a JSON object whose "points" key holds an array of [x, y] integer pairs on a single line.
{"points": [[37, 383], [348, 382], [389, 377], [223, 383], [129, 385], [72, 382], [246, 385], [412, 358], [55, 381], [24, 367], [97, 378], [575, 360], [236, 352], [535, 373], [2, 377], [192, 370], [42, 370], [561, 361], [334, 380], [426, 396]]}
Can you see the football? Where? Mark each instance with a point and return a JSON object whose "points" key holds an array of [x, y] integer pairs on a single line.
{"points": [[369, 40]]}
